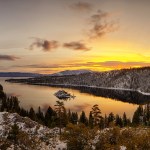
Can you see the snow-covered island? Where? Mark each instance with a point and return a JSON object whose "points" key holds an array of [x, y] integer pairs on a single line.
{"points": [[62, 94]]}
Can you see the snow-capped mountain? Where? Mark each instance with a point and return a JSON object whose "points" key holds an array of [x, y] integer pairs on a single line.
{"points": [[71, 72]]}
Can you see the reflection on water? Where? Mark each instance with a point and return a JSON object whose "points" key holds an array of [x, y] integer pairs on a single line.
{"points": [[120, 95], [32, 95]]}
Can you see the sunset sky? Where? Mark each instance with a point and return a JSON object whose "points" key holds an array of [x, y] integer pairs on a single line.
{"points": [[47, 36]]}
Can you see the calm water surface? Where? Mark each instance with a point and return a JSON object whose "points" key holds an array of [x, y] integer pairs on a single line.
{"points": [[34, 95]]}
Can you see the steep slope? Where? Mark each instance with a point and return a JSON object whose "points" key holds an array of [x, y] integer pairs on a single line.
{"points": [[31, 136]]}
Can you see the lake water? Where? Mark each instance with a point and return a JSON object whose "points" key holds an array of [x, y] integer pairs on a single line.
{"points": [[43, 96]]}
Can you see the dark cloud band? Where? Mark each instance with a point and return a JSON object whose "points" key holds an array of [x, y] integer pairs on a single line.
{"points": [[100, 24], [44, 44], [8, 57], [76, 46], [82, 6]]}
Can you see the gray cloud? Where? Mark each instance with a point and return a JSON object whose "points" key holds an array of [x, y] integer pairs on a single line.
{"points": [[39, 66], [76, 46], [101, 25], [82, 6], [8, 57], [44, 44]]}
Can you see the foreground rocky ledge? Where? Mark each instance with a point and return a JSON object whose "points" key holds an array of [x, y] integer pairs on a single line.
{"points": [[32, 136]]}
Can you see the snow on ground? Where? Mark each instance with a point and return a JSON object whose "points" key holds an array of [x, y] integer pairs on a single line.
{"points": [[98, 87], [144, 93], [48, 138], [123, 148]]}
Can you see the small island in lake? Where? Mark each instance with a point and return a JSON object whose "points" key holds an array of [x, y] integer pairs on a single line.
{"points": [[62, 94]]}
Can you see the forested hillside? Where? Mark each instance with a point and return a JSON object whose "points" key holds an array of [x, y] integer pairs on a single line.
{"points": [[135, 79]]}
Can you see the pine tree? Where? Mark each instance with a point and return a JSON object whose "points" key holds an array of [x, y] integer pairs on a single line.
{"points": [[74, 118], [49, 117], [96, 113], [118, 121], [102, 123], [79, 137], [15, 107], [13, 134], [91, 124], [4, 105], [65, 118], [138, 116], [69, 115], [111, 118], [60, 109], [23, 112], [40, 116], [106, 124], [147, 115], [125, 123], [83, 119], [32, 114]]}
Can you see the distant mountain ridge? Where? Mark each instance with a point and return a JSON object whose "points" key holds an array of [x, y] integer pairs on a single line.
{"points": [[28, 74], [136, 79], [71, 72], [19, 74]]}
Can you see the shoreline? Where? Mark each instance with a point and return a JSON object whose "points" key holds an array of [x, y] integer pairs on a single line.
{"points": [[86, 86]]}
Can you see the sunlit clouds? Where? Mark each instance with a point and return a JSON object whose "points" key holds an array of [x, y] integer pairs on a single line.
{"points": [[51, 36], [96, 66]]}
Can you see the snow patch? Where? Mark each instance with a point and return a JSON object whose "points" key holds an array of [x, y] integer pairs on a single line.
{"points": [[123, 148]]}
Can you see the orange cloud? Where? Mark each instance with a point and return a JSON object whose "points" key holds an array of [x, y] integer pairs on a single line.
{"points": [[97, 66]]}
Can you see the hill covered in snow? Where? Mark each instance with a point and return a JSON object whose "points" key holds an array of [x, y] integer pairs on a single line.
{"points": [[137, 79], [21, 133], [30, 134]]}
